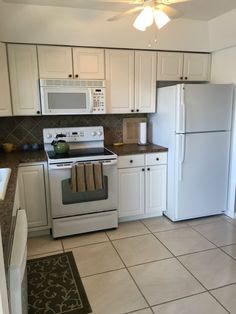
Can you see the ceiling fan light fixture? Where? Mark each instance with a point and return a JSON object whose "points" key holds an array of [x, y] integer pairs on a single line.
{"points": [[161, 18], [144, 19]]}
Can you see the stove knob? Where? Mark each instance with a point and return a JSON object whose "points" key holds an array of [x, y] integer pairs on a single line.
{"points": [[99, 133], [93, 133], [49, 135]]}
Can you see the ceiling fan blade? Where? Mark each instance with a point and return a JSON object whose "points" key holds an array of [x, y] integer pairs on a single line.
{"points": [[118, 16], [169, 2], [171, 12]]}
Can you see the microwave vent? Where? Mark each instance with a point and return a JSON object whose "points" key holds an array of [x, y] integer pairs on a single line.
{"points": [[72, 83]]}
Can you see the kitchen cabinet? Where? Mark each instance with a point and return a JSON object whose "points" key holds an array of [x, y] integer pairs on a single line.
{"points": [[57, 62], [119, 80], [33, 194], [142, 185], [5, 100], [177, 66], [23, 69], [145, 81]]}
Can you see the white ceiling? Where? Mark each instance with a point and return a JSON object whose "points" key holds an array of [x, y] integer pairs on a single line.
{"points": [[196, 9]]}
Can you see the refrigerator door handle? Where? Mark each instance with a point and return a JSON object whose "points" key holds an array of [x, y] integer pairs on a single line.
{"points": [[181, 114], [181, 155]]}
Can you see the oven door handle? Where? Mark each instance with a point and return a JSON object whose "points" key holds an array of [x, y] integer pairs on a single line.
{"points": [[69, 166]]}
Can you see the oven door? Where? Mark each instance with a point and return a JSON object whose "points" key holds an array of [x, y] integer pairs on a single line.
{"points": [[66, 100], [65, 203]]}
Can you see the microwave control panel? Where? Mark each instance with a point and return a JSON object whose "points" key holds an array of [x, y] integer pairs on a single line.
{"points": [[99, 100]]}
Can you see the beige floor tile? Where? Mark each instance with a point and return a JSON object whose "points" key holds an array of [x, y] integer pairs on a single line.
{"points": [[199, 304], [128, 229], [43, 255], [42, 245], [230, 249], [141, 249], [212, 268], [84, 239], [164, 281], [162, 223], [226, 296], [206, 220], [184, 241], [220, 233], [96, 258], [145, 311], [113, 293]]}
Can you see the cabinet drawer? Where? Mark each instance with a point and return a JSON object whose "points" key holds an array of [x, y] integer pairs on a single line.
{"points": [[156, 159], [130, 161]]}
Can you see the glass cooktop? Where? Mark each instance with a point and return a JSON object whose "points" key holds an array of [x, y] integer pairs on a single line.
{"points": [[74, 153]]}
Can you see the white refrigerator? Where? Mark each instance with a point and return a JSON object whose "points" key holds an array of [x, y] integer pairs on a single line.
{"points": [[194, 122]]}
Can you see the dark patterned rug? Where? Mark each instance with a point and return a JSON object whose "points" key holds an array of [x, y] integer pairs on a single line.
{"points": [[55, 287]]}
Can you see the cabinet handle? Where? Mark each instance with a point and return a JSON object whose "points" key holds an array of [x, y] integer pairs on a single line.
{"points": [[70, 75], [148, 169], [143, 169], [131, 161], [132, 110], [76, 75], [38, 112], [181, 77], [137, 110], [185, 78], [157, 158]]}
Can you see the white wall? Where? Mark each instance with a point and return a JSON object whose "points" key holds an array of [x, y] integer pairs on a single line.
{"points": [[72, 26], [224, 71]]}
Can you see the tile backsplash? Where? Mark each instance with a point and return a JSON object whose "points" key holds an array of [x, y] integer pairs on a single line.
{"points": [[29, 129]]}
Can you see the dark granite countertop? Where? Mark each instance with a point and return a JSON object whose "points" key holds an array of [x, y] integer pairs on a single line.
{"points": [[130, 149], [12, 160]]}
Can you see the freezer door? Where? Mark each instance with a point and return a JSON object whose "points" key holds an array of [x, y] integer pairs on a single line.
{"points": [[202, 174], [204, 107]]}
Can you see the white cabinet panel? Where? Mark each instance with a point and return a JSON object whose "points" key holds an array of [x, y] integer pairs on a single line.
{"points": [[145, 81], [120, 80], [155, 189], [33, 194], [196, 66], [131, 196], [169, 66], [55, 62], [131, 161], [88, 63], [24, 83], [5, 99]]}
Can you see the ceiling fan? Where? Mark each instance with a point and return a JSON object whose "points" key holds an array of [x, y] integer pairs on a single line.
{"points": [[159, 11]]}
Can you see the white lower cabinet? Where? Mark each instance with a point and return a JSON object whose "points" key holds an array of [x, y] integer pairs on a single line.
{"points": [[142, 185], [33, 194]]}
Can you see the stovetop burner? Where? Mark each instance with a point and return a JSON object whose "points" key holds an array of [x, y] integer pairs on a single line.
{"points": [[83, 152]]}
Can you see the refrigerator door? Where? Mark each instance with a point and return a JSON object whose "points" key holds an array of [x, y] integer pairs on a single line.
{"points": [[204, 107], [201, 174]]}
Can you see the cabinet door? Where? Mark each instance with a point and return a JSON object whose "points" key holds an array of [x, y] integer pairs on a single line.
{"points": [[155, 189], [145, 81], [55, 62], [32, 194], [131, 192], [88, 63], [24, 83], [196, 67], [5, 99], [120, 81], [169, 66]]}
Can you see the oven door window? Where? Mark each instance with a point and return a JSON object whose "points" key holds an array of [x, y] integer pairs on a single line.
{"points": [[69, 197]]}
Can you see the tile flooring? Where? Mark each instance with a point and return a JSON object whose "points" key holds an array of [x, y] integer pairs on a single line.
{"points": [[155, 266]]}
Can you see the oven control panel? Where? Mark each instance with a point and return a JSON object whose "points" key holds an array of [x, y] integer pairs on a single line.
{"points": [[80, 134]]}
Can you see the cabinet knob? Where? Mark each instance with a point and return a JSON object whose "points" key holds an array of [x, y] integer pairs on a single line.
{"points": [[137, 110], [157, 158], [132, 110], [143, 169], [148, 169], [70, 75], [76, 75], [131, 161], [185, 78], [38, 112], [181, 77]]}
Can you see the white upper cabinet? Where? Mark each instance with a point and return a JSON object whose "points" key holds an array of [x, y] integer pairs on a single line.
{"points": [[120, 80], [55, 62], [196, 66], [5, 99], [169, 66], [177, 66], [23, 68], [145, 81], [88, 63]]}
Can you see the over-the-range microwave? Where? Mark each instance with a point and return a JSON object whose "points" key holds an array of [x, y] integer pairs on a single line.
{"points": [[72, 96]]}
